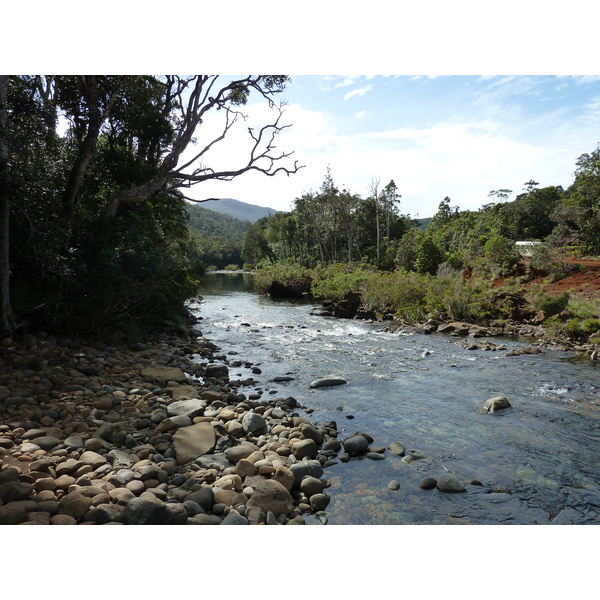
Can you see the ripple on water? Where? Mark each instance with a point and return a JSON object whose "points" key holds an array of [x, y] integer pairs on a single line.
{"points": [[535, 460]]}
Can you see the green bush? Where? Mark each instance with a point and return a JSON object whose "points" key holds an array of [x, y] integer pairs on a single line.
{"points": [[551, 304]]}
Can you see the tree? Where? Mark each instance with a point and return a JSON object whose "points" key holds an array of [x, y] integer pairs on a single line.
{"points": [[584, 197], [7, 322], [376, 198], [101, 210], [391, 200]]}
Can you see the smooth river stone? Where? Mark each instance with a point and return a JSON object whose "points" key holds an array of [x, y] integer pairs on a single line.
{"points": [[496, 403], [327, 382], [193, 441], [449, 483]]}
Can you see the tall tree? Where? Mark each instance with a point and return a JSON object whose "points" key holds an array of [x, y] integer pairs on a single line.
{"points": [[376, 198], [7, 322], [108, 204]]}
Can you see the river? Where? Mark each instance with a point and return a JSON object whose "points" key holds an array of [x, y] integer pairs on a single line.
{"points": [[537, 461]]}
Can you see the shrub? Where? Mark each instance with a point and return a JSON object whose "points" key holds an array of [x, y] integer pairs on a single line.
{"points": [[551, 304]]}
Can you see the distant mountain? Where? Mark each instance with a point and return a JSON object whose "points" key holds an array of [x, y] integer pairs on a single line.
{"points": [[423, 224], [238, 210]]}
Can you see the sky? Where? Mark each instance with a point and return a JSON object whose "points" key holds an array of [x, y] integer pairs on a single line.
{"points": [[460, 136]]}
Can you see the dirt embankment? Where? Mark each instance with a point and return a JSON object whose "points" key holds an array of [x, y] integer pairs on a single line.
{"points": [[583, 280]]}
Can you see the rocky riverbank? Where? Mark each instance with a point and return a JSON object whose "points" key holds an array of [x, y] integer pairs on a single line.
{"points": [[155, 433]]}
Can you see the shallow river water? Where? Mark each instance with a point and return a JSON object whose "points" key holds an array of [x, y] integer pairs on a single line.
{"points": [[538, 461]]}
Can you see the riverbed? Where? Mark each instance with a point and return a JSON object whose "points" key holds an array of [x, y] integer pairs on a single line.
{"points": [[533, 463]]}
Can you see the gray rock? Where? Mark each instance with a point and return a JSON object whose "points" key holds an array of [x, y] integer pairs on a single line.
{"points": [[214, 369], [327, 382], [397, 448], [193, 508], [449, 483], [161, 374], [311, 485], [492, 405], [428, 483], [47, 442], [139, 511], [233, 519], [178, 514], [193, 441], [412, 457], [255, 515], [189, 408], [303, 468], [375, 456], [204, 520], [9, 474], [308, 431], [93, 458], [180, 421], [356, 444], [203, 497], [11, 491], [105, 430], [271, 496], [236, 453], [393, 485], [119, 459], [212, 461], [73, 442], [254, 423], [319, 502], [305, 448]]}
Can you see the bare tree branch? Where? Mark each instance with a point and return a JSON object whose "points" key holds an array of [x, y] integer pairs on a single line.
{"points": [[202, 97]]}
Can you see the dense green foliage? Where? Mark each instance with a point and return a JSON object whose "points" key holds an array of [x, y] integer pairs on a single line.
{"points": [[343, 242], [99, 232], [219, 237], [330, 226]]}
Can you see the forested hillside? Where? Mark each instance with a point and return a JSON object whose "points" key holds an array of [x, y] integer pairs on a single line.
{"points": [[238, 210], [219, 237], [334, 226]]}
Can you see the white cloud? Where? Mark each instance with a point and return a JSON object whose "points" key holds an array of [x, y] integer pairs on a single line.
{"points": [[361, 113], [358, 92], [462, 159]]}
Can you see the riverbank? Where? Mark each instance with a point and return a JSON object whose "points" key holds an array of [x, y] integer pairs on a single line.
{"points": [[154, 433], [562, 314]]}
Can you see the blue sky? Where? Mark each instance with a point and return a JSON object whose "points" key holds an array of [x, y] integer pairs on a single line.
{"points": [[464, 117], [435, 136]]}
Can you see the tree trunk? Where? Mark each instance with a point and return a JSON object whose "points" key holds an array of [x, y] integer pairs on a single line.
{"points": [[7, 322]]}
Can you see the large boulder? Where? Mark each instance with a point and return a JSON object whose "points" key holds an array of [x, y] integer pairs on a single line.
{"points": [[348, 306], [193, 441]]}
